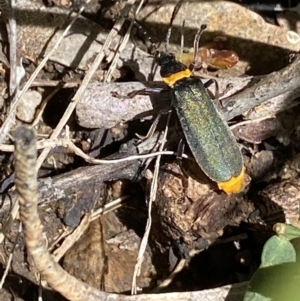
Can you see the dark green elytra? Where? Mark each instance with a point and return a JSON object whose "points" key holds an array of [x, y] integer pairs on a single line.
{"points": [[207, 134]]}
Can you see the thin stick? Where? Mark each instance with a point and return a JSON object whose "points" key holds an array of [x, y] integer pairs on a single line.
{"points": [[117, 56], [65, 142], [152, 198], [117, 203], [43, 106], [179, 267], [79, 231], [12, 52], [40, 297], [72, 238], [66, 232], [8, 12], [248, 122], [174, 14], [121, 47]]}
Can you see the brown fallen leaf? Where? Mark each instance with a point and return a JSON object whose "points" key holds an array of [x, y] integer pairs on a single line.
{"points": [[107, 266]]}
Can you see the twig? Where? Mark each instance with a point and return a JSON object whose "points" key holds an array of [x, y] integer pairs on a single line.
{"points": [[8, 12], [66, 232], [117, 56], [71, 146], [13, 82], [121, 48], [179, 267], [108, 207], [72, 238], [43, 106], [26, 186], [40, 144]]}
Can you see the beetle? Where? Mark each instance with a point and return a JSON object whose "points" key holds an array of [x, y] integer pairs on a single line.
{"points": [[207, 133]]}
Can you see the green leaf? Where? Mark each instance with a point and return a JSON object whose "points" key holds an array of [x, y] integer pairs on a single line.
{"points": [[278, 277], [277, 249], [277, 283]]}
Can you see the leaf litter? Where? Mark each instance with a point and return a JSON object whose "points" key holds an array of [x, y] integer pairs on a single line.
{"points": [[195, 221]]}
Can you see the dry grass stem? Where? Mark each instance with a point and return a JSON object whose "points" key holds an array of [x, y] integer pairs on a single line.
{"points": [[152, 197]]}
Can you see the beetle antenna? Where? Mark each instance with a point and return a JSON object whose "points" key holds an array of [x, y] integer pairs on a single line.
{"points": [[168, 39], [197, 39], [196, 45], [182, 39], [144, 32]]}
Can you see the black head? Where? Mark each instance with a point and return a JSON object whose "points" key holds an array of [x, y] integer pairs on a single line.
{"points": [[168, 64]]}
